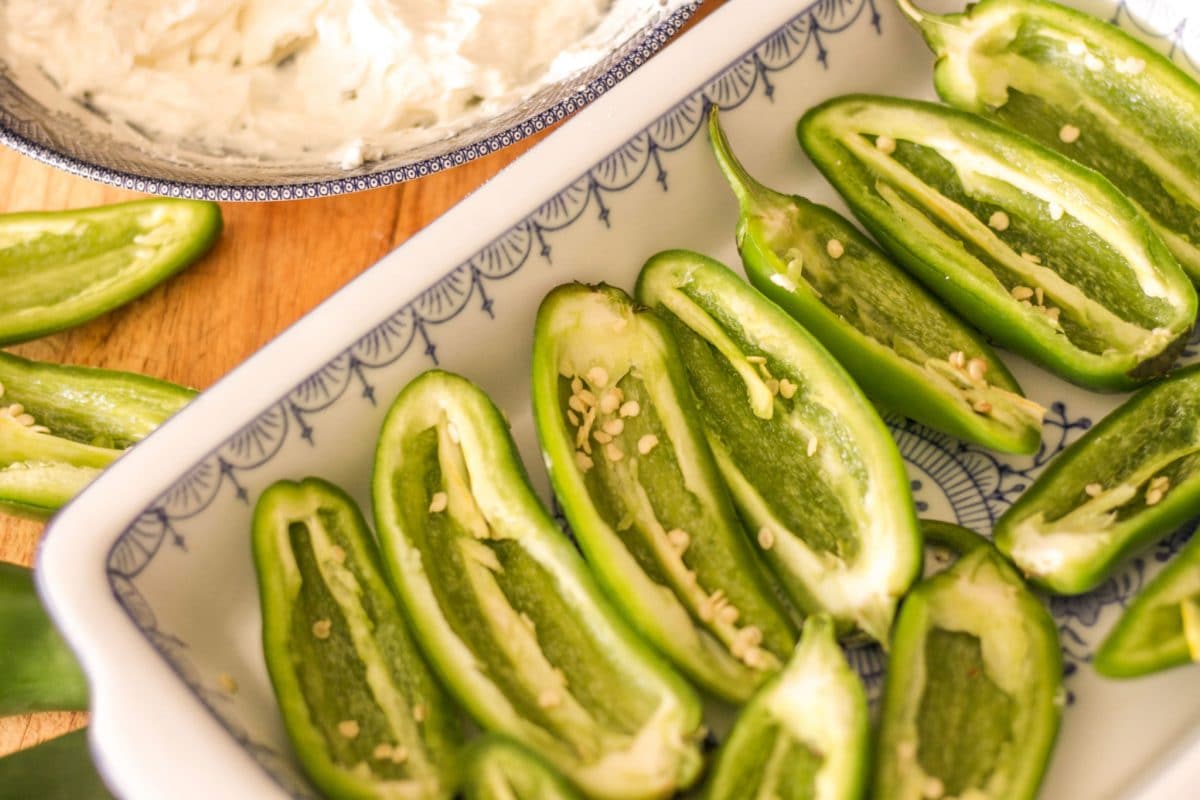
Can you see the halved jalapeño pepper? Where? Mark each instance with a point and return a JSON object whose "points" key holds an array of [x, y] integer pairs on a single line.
{"points": [[1045, 256], [1087, 89], [901, 345], [624, 441], [973, 695], [364, 713], [804, 735], [506, 610], [1160, 629], [63, 268], [811, 466], [61, 425], [57, 769], [497, 768], [1128, 481], [37, 670]]}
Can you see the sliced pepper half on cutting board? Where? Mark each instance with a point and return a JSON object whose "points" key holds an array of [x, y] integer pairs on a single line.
{"points": [[62, 268]]}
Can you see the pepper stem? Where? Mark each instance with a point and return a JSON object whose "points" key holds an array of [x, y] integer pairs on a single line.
{"points": [[750, 193], [929, 24], [911, 11]]}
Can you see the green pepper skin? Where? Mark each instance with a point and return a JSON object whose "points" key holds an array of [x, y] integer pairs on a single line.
{"points": [[1045, 256], [829, 500], [973, 695], [1151, 634], [805, 734], [1086, 88], [954, 538], [364, 713], [506, 610], [37, 670], [57, 769], [63, 268], [649, 509], [497, 768], [1130, 480], [61, 425], [905, 350]]}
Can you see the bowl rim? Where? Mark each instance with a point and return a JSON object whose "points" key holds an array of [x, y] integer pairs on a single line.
{"points": [[648, 41]]}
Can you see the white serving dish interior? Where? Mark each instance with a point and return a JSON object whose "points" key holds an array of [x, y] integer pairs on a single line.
{"points": [[149, 572]]}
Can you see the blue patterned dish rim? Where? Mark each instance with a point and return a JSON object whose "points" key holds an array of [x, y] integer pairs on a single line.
{"points": [[947, 477], [118, 164]]}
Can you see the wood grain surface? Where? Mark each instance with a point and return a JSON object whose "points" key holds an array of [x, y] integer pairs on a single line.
{"points": [[274, 262]]}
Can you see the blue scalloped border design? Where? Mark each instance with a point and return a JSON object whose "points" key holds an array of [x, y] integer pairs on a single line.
{"points": [[975, 483]]}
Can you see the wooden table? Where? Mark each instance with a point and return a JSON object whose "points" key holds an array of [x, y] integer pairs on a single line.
{"points": [[273, 263]]}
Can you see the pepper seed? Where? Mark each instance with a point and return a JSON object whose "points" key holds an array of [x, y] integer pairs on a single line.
{"points": [[1068, 134], [1022, 292], [549, 698], [598, 376], [1129, 66], [614, 427], [885, 144], [783, 282], [610, 401], [348, 728], [647, 443], [630, 408], [583, 461], [835, 249], [227, 683], [678, 539], [399, 754], [977, 368], [999, 221], [787, 389], [766, 538], [419, 712], [613, 453], [1093, 490], [382, 752], [438, 503], [322, 628]]}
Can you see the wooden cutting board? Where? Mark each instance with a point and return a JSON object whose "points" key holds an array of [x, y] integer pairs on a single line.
{"points": [[274, 262]]}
